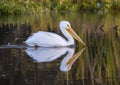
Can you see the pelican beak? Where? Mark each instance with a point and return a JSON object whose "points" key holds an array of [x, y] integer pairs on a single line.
{"points": [[72, 32]]}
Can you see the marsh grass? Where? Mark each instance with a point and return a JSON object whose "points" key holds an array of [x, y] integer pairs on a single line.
{"points": [[19, 7]]}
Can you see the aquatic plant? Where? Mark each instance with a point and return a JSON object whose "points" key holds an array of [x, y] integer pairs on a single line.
{"points": [[19, 7]]}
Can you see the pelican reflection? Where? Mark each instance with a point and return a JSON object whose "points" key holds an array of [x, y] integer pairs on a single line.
{"points": [[50, 54], [68, 60]]}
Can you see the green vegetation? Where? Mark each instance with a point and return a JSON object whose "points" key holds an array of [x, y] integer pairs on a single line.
{"points": [[18, 7]]}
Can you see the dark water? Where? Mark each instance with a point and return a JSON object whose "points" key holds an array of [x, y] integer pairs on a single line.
{"points": [[96, 64]]}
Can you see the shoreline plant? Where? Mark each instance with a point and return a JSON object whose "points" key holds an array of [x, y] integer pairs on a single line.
{"points": [[19, 7]]}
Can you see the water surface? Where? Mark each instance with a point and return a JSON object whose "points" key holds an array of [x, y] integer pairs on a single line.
{"points": [[97, 63]]}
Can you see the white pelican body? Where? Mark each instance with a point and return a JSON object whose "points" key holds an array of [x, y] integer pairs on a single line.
{"points": [[49, 39]]}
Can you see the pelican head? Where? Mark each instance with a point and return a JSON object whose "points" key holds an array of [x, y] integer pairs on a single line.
{"points": [[65, 25]]}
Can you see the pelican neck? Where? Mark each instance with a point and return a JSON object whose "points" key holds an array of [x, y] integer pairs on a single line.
{"points": [[70, 40]]}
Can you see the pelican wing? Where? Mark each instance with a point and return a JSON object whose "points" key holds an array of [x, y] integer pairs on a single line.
{"points": [[47, 39]]}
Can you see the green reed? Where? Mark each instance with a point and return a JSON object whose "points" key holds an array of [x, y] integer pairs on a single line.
{"points": [[19, 7]]}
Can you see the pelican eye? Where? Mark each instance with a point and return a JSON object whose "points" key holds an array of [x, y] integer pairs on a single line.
{"points": [[68, 25]]}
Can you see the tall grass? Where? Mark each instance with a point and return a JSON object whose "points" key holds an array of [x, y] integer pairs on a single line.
{"points": [[18, 7]]}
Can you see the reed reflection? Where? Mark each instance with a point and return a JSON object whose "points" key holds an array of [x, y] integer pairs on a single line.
{"points": [[50, 54]]}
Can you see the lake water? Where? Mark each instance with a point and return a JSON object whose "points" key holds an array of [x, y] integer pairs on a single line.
{"points": [[95, 64]]}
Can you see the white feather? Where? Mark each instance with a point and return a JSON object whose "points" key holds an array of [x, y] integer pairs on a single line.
{"points": [[47, 39]]}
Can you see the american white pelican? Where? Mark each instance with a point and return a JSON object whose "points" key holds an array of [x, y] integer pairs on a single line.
{"points": [[49, 39]]}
